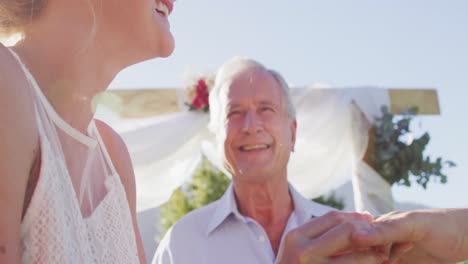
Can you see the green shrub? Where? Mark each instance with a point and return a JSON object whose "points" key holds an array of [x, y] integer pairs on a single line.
{"points": [[208, 185], [397, 161]]}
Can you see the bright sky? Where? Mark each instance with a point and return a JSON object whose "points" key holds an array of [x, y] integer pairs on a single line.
{"points": [[398, 43]]}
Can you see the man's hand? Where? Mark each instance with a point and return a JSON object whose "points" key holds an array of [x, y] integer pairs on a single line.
{"points": [[424, 236], [327, 239]]}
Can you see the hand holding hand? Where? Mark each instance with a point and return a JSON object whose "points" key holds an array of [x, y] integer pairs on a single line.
{"points": [[327, 239], [424, 236]]}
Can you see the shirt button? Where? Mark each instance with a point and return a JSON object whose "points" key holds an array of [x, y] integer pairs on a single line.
{"points": [[261, 239]]}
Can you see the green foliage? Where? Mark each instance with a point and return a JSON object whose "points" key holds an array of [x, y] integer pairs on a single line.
{"points": [[174, 209], [208, 185], [331, 201], [397, 161]]}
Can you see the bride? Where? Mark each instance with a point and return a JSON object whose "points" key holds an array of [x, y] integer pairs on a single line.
{"points": [[67, 189]]}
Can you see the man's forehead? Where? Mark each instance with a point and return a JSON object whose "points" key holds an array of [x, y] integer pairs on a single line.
{"points": [[250, 79], [260, 101], [250, 75], [258, 97], [251, 82]]}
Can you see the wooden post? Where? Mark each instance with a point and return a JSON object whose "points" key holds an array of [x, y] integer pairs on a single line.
{"points": [[138, 103], [425, 100]]}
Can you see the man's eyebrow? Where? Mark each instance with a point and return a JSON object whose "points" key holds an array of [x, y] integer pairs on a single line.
{"points": [[266, 102], [231, 106]]}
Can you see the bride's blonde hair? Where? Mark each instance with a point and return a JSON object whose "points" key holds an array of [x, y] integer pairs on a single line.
{"points": [[16, 14]]}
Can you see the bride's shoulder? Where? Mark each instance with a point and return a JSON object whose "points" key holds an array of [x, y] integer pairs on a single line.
{"points": [[11, 73], [121, 161], [6, 57], [119, 155], [16, 97], [13, 80]]}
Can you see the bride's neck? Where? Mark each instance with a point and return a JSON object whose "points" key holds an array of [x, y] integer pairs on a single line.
{"points": [[69, 80]]}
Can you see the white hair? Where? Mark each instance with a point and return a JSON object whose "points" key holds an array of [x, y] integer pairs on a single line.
{"points": [[226, 73]]}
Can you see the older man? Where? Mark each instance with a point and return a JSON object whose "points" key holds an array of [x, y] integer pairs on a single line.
{"points": [[254, 121]]}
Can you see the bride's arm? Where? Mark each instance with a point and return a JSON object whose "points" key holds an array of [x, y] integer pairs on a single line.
{"points": [[19, 145], [121, 160], [422, 236]]}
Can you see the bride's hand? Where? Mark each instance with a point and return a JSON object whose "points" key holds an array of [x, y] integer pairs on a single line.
{"points": [[326, 239]]}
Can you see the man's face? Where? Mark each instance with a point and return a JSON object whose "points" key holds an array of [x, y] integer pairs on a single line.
{"points": [[259, 134]]}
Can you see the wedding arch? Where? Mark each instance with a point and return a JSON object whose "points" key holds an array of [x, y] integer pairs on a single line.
{"points": [[166, 140]]}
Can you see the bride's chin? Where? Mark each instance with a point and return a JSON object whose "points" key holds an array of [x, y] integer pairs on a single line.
{"points": [[167, 52], [166, 48]]}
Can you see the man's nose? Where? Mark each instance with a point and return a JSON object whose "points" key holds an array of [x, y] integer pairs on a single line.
{"points": [[252, 123]]}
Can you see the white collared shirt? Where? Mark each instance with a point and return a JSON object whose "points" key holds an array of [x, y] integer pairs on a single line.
{"points": [[218, 233]]}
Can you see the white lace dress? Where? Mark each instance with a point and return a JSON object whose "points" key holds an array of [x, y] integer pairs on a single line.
{"points": [[79, 212]]}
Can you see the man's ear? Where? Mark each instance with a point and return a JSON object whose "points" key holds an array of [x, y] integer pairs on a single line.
{"points": [[293, 134]]}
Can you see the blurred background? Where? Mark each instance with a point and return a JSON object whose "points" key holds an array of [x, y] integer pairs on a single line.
{"points": [[389, 44]]}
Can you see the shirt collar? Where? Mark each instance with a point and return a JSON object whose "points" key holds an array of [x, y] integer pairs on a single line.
{"points": [[226, 205]]}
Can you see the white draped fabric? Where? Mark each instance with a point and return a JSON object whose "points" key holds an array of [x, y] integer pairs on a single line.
{"points": [[332, 138]]}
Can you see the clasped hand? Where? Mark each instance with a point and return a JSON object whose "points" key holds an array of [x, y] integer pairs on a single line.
{"points": [[429, 236]]}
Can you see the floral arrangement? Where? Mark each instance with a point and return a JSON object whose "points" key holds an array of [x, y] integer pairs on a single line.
{"points": [[197, 92]]}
